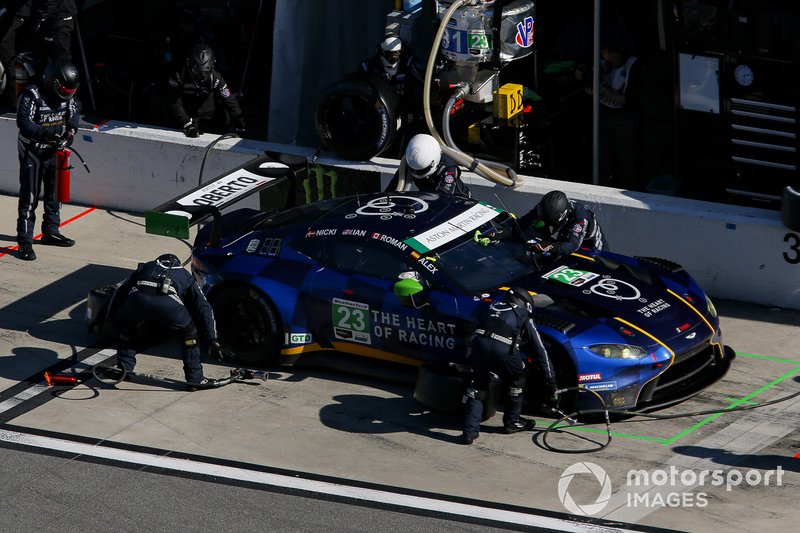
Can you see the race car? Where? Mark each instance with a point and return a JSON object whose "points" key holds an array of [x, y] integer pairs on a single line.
{"points": [[400, 278]]}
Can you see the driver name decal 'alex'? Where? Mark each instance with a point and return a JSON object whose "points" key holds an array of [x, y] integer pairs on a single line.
{"points": [[456, 227]]}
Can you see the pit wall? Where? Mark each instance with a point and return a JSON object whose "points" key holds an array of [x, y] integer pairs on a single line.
{"points": [[734, 252]]}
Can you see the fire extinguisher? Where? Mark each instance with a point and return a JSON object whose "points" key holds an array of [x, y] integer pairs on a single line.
{"points": [[62, 174], [63, 171]]}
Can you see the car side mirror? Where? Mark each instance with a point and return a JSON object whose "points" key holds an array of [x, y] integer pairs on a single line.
{"points": [[410, 293]]}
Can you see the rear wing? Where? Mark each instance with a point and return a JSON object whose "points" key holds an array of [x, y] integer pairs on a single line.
{"points": [[175, 217]]}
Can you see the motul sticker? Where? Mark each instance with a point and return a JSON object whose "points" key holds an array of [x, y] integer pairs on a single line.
{"points": [[589, 377]]}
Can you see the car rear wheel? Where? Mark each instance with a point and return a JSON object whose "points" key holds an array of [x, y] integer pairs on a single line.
{"points": [[247, 326]]}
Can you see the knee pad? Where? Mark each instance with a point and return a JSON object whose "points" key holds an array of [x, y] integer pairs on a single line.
{"points": [[189, 336]]}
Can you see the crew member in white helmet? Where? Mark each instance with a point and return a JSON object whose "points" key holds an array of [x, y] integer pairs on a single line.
{"points": [[428, 169]]}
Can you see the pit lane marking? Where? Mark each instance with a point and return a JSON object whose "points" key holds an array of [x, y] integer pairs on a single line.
{"points": [[744, 437], [315, 487], [9, 249], [39, 387]]}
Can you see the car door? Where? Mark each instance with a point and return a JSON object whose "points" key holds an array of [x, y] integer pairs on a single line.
{"points": [[357, 311]]}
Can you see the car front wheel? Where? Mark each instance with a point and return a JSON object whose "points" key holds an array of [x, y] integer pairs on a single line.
{"points": [[247, 326]]}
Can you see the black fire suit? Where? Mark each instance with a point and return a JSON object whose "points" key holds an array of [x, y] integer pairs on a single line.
{"points": [[579, 230], [58, 21], [445, 179], [43, 120], [192, 99], [494, 348], [177, 308], [13, 14]]}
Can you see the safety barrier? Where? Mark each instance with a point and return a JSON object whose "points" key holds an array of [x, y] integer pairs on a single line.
{"points": [[734, 252]]}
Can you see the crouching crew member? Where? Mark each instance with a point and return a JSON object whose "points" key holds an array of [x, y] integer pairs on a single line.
{"points": [[502, 327]]}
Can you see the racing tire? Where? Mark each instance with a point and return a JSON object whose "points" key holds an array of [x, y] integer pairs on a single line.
{"points": [[357, 117], [247, 326], [442, 388], [790, 208]]}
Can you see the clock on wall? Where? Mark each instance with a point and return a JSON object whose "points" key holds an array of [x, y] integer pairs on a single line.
{"points": [[743, 75]]}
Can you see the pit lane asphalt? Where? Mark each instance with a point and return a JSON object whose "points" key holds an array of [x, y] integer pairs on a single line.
{"points": [[344, 431]]}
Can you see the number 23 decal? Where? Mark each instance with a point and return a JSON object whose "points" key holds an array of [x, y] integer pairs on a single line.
{"points": [[792, 257]]}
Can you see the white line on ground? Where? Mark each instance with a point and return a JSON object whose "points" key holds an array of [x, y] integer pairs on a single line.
{"points": [[318, 487], [40, 387]]}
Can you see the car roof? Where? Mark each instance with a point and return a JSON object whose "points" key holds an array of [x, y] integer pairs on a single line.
{"points": [[408, 216]]}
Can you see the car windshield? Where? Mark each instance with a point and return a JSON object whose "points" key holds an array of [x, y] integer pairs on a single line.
{"points": [[477, 268]]}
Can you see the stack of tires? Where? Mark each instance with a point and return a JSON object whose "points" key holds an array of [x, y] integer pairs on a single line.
{"points": [[790, 208]]}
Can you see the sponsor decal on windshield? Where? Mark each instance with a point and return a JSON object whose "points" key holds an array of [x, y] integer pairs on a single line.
{"points": [[463, 224]]}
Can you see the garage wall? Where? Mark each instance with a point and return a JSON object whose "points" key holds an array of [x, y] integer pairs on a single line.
{"points": [[734, 252]]}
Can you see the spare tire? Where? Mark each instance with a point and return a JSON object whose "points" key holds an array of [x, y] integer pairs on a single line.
{"points": [[790, 208], [357, 116]]}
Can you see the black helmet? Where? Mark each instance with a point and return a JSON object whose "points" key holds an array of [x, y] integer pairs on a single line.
{"points": [[200, 61], [555, 207], [168, 261], [520, 297], [61, 78]]}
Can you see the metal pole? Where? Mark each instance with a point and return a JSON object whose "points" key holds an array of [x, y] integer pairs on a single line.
{"points": [[596, 99], [250, 49], [85, 65]]}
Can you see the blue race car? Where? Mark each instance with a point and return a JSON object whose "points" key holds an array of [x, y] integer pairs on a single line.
{"points": [[399, 277]]}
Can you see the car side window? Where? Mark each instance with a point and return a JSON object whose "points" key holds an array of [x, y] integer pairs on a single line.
{"points": [[361, 258]]}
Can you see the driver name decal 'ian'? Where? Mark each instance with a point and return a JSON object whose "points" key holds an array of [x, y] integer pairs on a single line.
{"points": [[456, 227]]}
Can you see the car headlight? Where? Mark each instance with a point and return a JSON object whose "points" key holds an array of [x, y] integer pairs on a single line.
{"points": [[618, 351], [711, 309]]}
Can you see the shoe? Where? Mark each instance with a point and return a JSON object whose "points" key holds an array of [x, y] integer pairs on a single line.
{"points": [[26, 252], [56, 239], [523, 424], [206, 383], [467, 440]]}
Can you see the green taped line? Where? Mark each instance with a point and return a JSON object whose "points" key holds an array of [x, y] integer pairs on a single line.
{"points": [[734, 404], [167, 224], [768, 358]]}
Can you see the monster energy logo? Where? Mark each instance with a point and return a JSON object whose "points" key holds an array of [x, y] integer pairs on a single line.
{"points": [[319, 174]]}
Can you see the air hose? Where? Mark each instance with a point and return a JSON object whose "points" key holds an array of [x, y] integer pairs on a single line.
{"points": [[495, 172], [572, 418]]}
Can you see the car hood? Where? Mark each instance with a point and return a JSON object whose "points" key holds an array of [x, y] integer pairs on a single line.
{"points": [[635, 301]]}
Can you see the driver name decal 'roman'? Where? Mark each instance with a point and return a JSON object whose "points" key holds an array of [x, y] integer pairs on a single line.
{"points": [[456, 227], [225, 189]]}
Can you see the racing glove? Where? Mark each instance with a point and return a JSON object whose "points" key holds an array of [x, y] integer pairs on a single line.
{"points": [[238, 126], [190, 129], [215, 350], [539, 248], [483, 241], [68, 138], [48, 137]]}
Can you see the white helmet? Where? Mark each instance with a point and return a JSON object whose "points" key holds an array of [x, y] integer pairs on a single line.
{"points": [[391, 48], [423, 155]]}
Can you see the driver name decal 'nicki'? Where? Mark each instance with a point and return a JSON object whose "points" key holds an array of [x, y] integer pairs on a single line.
{"points": [[456, 227], [225, 189]]}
